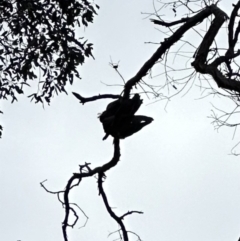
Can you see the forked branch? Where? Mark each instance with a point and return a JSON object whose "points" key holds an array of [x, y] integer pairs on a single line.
{"points": [[201, 64]]}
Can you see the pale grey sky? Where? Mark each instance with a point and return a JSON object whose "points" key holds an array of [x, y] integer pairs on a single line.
{"points": [[176, 170]]}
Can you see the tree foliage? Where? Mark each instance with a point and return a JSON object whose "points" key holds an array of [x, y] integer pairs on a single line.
{"points": [[39, 38], [38, 43]]}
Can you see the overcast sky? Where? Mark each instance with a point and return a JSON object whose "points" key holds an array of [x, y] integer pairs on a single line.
{"points": [[177, 170]]}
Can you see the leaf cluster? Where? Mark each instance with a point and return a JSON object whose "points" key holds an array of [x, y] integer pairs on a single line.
{"points": [[38, 42]]}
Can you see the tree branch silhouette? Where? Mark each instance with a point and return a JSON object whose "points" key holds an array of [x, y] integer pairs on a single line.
{"points": [[203, 63]]}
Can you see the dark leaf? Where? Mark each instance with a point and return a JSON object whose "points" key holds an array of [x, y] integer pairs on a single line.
{"points": [[20, 91]]}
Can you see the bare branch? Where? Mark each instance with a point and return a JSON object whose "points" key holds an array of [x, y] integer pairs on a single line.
{"points": [[83, 100], [109, 209], [129, 213], [163, 23], [168, 42]]}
